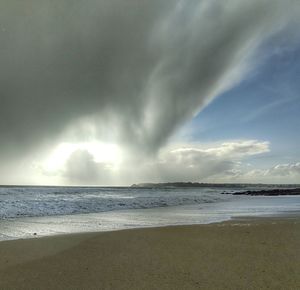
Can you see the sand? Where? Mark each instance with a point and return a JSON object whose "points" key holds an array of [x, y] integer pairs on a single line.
{"points": [[248, 254]]}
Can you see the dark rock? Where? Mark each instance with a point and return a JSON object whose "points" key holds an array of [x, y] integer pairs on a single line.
{"points": [[269, 192]]}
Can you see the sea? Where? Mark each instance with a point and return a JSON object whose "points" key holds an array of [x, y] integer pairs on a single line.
{"points": [[37, 211]]}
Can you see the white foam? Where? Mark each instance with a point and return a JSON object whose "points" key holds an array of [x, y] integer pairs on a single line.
{"points": [[49, 201], [154, 217]]}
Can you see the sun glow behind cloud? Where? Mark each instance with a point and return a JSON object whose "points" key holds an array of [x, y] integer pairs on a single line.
{"points": [[101, 153], [94, 163]]}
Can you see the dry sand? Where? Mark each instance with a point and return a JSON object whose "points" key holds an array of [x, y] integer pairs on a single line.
{"points": [[248, 254]]}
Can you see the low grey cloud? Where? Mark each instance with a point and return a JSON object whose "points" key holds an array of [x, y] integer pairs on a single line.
{"points": [[289, 169], [81, 169], [280, 173]]}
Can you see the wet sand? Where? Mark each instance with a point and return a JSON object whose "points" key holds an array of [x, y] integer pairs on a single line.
{"points": [[244, 254]]}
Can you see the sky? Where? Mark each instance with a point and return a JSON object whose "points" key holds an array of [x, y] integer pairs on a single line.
{"points": [[118, 92]]}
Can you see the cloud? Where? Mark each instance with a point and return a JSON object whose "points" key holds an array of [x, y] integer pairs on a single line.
{"points": [[201, 164], [132, 71], [123, 72], [192, 162], [81, 169], [280, 173], [227, 149], [288, 169], [268, 108], [225, 162]]}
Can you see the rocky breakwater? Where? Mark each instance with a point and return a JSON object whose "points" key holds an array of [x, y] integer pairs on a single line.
{"points": [[268, 192]]}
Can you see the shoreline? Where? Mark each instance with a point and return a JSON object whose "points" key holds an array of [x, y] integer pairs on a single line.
{"points": [[36, 235], [280, 216], [247, 253], [283, 215], [207, 213]]}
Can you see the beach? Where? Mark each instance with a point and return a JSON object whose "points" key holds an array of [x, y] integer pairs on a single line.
{"points": [[249, 253], [149, 145]]}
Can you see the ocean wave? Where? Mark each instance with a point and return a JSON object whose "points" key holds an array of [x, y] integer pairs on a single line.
{"points": [[47, 201]]}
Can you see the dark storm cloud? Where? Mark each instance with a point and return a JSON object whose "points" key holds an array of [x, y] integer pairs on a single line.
{"points": [[136, 68], [61, 60]]}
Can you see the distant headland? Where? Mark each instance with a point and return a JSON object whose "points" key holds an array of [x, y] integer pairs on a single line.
{"points": [[256, 189], [215, 185]]}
